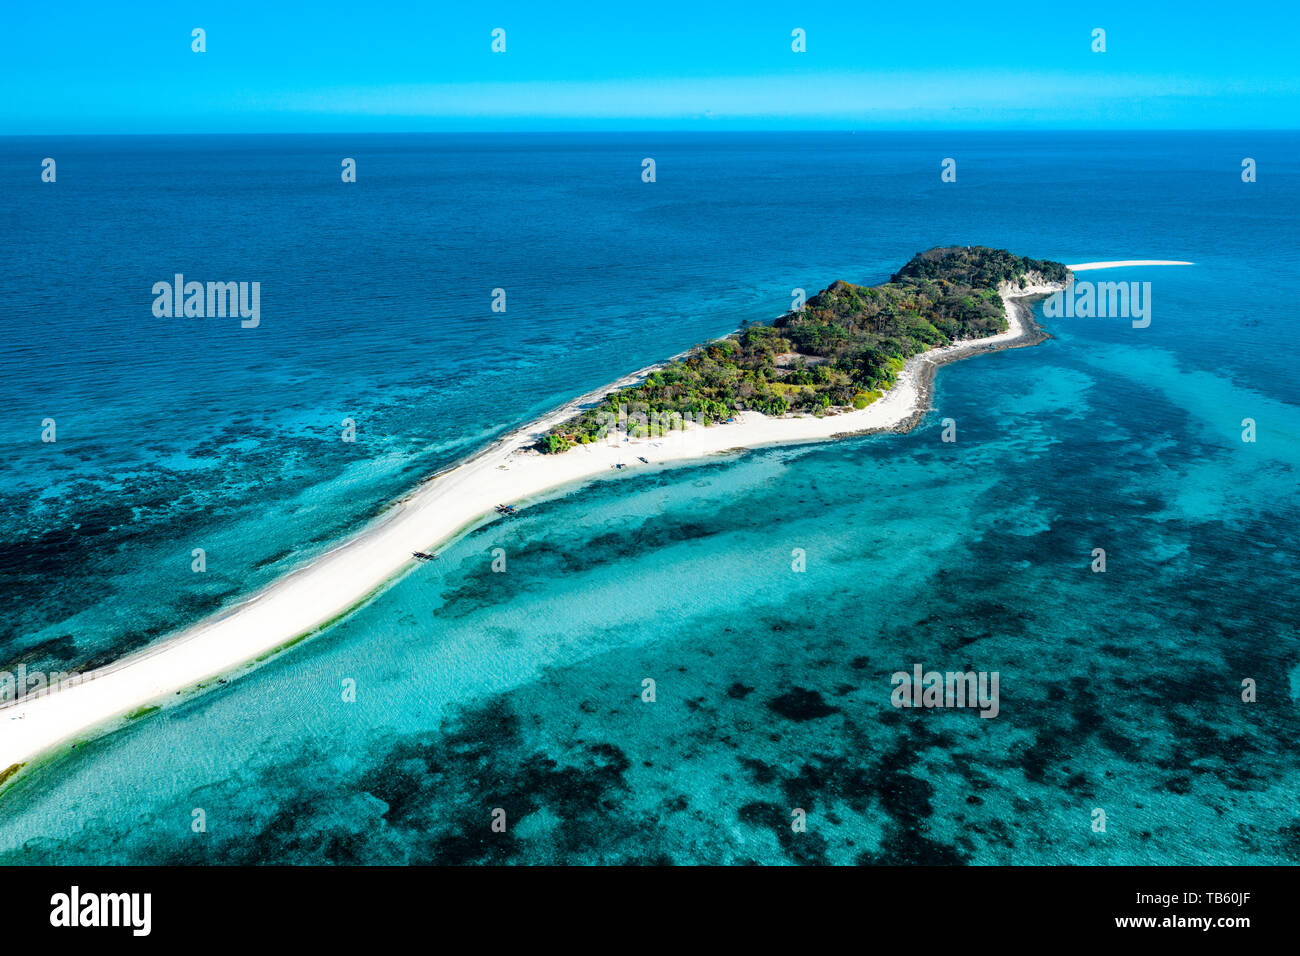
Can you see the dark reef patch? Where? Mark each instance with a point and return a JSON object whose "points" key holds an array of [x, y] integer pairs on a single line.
{"points": [[800, 704]]}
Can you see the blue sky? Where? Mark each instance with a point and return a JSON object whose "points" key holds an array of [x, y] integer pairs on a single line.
{"points": [[83, 67]]}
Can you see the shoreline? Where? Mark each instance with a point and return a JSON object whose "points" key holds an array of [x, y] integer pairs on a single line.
{"points": [[439, 510], [1030, 333]]}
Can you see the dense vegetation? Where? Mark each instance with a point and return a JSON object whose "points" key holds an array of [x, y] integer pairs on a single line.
{"points": [[843, 349]]}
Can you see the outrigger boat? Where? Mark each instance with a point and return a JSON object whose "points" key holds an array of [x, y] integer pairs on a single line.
{"points": [[424, 556], [507, 510]]}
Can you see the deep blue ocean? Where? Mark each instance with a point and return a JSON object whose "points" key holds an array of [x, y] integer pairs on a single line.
{"points": [[1120, 691]]}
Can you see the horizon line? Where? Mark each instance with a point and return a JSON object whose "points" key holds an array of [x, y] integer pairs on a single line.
{"points": [[683, 130]]}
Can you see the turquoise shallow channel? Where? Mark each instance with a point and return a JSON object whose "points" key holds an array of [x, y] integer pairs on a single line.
{"points": [[475, 690]]}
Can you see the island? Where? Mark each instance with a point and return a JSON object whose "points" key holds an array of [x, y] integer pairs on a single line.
{"points": [[854, 360], [842, 350]]}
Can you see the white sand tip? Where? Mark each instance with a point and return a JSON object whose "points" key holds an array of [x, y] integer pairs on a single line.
{"points": [[1085, 266]]}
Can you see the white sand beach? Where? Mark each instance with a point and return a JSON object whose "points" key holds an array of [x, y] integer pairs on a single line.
{"points": [[1120, 263], [436, 512]]}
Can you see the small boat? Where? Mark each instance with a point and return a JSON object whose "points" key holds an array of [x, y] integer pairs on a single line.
{"points": [[424, 555], [642, 460], [506, 510]]}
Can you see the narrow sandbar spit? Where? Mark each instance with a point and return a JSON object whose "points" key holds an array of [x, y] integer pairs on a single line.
{"points": [[1121, 263], [443, 507]]}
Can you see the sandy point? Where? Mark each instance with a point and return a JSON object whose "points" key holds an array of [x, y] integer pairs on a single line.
{"points": [[1120, 263]]}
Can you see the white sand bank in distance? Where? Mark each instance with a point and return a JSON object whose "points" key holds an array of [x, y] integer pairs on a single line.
{"points": [[440, 509], [1118, 263]]}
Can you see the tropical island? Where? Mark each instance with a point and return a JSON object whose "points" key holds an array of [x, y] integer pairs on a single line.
{"points": [[855, 360], [843, 350]]}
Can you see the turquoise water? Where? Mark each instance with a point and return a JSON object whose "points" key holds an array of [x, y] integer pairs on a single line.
{"points": [[521, 690]]}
